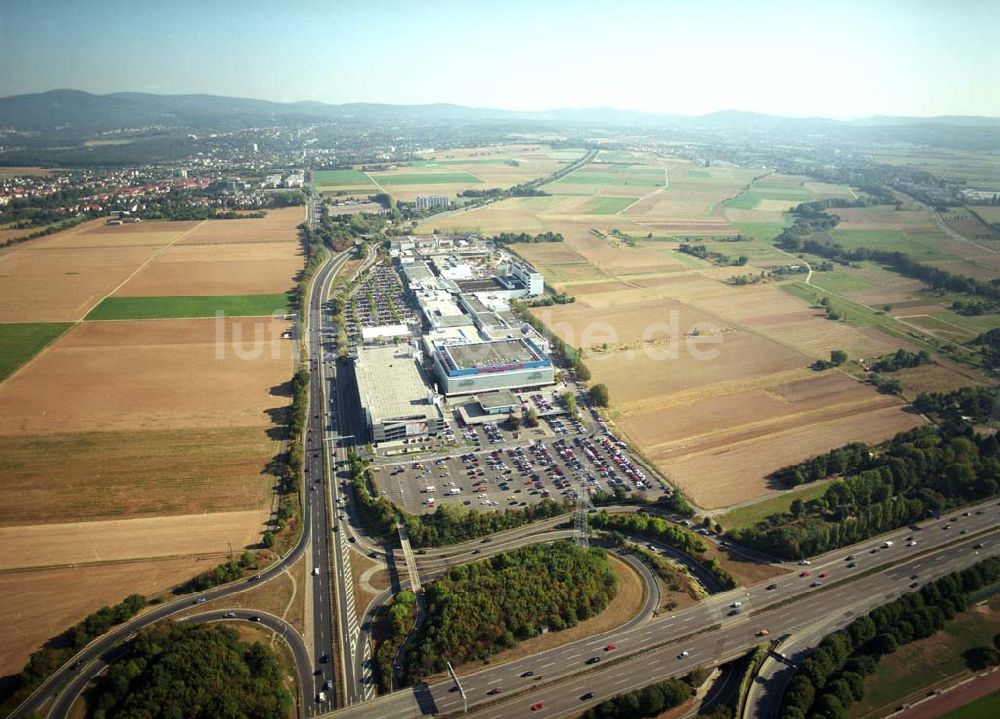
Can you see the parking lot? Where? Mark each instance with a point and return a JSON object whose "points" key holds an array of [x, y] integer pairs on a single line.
{"points": [[498, 472]]}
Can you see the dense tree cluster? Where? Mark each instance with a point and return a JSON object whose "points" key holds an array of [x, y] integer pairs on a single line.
{"points": [[973, 308], [837, 358], [901, 359], [649, 701], [222, 574], [479, 609], [968, 404], [920, 472], [515, 238], [193, 671], [832, 678], [989, 346], [671, 534], [399, 619], [598, 395], [849, 459], [450, 523], [702, 252], [377, 513], [56, 652]]}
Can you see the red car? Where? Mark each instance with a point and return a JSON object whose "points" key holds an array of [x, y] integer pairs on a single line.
{"points": [[822, 574], [494, 690], [805, 573], [537, 707], [611, 647]]}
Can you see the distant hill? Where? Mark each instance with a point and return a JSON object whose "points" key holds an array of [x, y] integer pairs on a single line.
{"points": [[81, 113]]}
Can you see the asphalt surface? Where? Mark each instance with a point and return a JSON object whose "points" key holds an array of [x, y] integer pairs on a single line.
{"points": [[316, 506], [715, 635]]}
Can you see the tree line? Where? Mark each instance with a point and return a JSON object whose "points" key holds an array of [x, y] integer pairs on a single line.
{"points": [[989, 346], [398, 618], [512, 238], [479, 609], [831, 679], [57, 651], [918, 473], [193, 671], [811, 218], [645, 525], [650, 701], [222, 574], [702, 252], [450, 524]]}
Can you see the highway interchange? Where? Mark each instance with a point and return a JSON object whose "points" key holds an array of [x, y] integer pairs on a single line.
{"points": [[647, 648]]}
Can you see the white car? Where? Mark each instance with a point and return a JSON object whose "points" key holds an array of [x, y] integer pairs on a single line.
{"points": [[315, 571]]}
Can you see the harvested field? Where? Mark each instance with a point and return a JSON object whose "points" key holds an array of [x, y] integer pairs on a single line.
{"points": [[735, 472], [116, 540], [620, 324], [642, 375], [39, 284], [133, 474], [25, 172], [934, 378], [218, 269], [37, 606], [166, 374], [276, 226]]}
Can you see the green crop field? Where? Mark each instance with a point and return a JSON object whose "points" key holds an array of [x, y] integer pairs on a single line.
{"points": [[851, 312], [148, 308], [20, 341], [610, 205], [429, 178], [921, 247], [765, 231], [689, 260], [987, 707], [331, 178], [841, 281], [750, 199]]}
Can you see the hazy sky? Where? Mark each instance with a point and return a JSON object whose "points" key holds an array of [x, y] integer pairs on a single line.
{"points": [[840, 58]]}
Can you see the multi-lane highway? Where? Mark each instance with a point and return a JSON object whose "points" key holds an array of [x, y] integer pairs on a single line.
{"points": [[715, 634], [317, 482]]}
